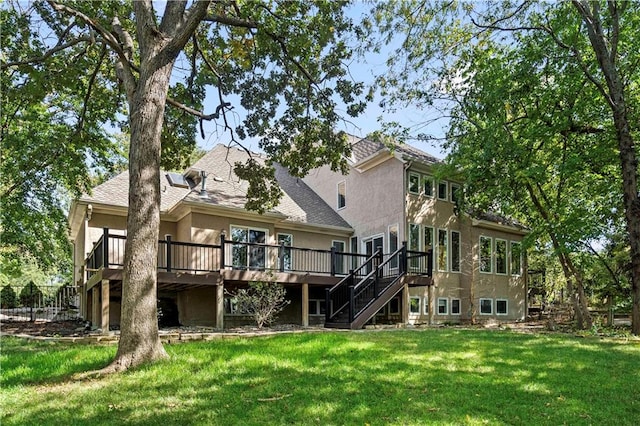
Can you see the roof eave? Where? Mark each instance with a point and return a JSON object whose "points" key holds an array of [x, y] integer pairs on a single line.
{"points": [[487, 224]]}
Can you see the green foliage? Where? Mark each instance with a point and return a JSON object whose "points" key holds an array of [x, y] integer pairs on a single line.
{"points": [[531, 128], [30, 294], [433, 376], [262, 300], [8, 297], [51, 138], [279, 64]]}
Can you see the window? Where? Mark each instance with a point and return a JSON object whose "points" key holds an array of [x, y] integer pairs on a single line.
{"points": [[393, 245], [442, 190], [414, 183], [516, 258], [455, 306], [339, 248], [342, 194], [485, 254], [427, 185], [428, 242], [456, 193], [285, 241], [414, 305], [426, 305], [354, 249], [394, 306], [443, 309], [231, 306], [501, 257], [316, 307], [443, 255], [249, 250], [486, 306], [501, 307], [455, 251], [414, 242]]}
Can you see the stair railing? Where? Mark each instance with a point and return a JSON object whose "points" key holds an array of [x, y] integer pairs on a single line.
{"points": [[373, 285], [337, 298]]}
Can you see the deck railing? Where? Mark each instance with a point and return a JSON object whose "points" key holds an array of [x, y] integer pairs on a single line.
{"points": [[176, 256]]}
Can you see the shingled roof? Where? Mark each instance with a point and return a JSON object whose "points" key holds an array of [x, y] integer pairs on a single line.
{"points": [[299, 203], [115, 192], [362, 148]]}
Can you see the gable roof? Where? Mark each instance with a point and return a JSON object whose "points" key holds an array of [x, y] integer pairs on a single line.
{"points": [[362, 149], [299, 203]]}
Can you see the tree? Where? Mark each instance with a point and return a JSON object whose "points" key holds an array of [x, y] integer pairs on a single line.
{"points": [[51, 145], [30, 295], [282, 60], [560, 81], [262, 300], [8, 297]]}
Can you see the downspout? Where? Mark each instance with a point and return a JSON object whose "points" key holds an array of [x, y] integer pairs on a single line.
{"points": [[405, 292], [404, 199]]}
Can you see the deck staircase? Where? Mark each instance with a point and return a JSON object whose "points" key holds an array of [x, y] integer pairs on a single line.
{"points": [[361, 294]]}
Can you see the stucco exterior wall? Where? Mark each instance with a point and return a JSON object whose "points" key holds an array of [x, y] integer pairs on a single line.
{"points": [[374, 198]]}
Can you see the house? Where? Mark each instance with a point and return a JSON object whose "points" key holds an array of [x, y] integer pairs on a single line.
{"points": [[348, 249], [391, 195]]}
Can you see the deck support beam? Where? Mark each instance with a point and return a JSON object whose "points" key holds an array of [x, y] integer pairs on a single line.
{"points": [[405, 304], [95, 307], [305, 305], [220, 304], [105, 307]]}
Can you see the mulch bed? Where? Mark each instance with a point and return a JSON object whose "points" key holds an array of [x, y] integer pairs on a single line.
{"points": [[44, 328]]}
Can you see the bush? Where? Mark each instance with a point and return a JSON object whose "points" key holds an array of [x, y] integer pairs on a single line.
{"points": [[262, 300], [30, 295], [8, 297]]}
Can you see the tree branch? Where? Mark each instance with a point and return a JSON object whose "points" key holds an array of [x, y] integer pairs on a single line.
{"points": [[57, 48], [145, 25], [197, 113], [173, 12], [187, 27], [87, 95], [108, 37], [231, 21]]}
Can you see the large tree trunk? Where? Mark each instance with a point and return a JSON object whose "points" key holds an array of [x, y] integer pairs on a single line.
{"points": [[605, 47], [139, 340]]}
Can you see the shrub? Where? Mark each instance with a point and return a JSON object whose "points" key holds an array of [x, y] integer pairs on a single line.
{"points": [[262, 300], [8, 297], [30, 295]]}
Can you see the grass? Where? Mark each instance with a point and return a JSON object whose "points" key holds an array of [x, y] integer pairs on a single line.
{"points": [[433, 376]]}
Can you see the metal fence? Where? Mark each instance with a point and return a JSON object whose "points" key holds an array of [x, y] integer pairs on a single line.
{"points": [[39, 302]]}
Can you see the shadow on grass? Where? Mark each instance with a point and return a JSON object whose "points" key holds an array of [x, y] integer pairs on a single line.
{"points": [[399, 377]]}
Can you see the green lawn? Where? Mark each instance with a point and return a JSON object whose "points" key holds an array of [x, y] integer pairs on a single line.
{"points": [[433, 376]]}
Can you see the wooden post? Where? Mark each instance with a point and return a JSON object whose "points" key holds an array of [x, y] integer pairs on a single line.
{"points": [[333, 261], [220, 304], [405, 304], [105, 248], [95, 307], [222, 244], [305, 305], [104, 322], [168, 252]]}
